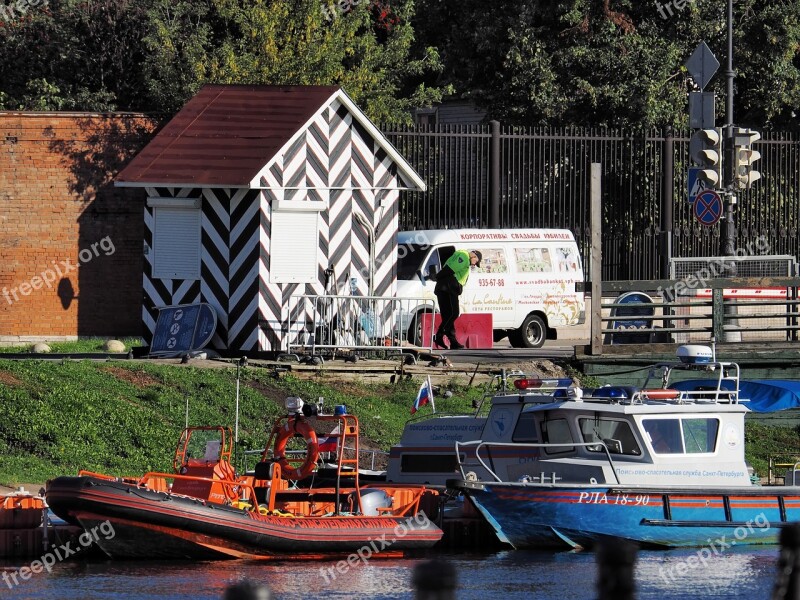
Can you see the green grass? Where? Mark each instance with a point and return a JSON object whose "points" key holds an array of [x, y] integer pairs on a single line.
{"points": [[81, 346], [124, 418], [763, 442]]}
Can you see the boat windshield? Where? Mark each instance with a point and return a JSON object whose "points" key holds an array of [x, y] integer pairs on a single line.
{"points": [[525, 431], [556, 431], [614, 433], [682, 435]]}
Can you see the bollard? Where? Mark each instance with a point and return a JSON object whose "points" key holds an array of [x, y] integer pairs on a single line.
{"points": [[435, 580], [787, 585], [247, 590], [615, 563]]}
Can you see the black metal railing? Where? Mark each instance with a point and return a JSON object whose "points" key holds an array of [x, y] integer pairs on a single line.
{"points": [[495, 176]]}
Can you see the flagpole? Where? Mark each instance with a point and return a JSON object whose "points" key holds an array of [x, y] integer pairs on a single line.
{"points": [[430, 391]]}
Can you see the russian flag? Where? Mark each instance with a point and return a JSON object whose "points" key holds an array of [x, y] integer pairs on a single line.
{"points": [[424, 395], [329, 442]]}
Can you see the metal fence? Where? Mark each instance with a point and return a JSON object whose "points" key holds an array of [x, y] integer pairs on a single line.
{"points": [[329, 324], [660, 313], [494, 176]]}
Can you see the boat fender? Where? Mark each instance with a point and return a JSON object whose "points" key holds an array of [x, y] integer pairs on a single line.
{"points": [[287, 432], [661, 394]]}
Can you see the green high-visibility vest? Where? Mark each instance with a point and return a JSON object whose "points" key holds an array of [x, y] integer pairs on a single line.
{"points": [[459, 263]]}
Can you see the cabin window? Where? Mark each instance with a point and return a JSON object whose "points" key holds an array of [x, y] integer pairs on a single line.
{"points": [[665, 435], [176, 238], [567, 260], [525, 431], [617, 436], [428, 463], [294, 246], [437, 259], [409, 260], [682, 436], [556, 431], [700, 435]]}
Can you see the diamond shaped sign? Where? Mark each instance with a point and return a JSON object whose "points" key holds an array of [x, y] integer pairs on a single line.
{"points": [[702, 65]]}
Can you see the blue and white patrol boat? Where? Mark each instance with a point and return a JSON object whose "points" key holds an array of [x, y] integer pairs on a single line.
{"points": [[663, 466]]}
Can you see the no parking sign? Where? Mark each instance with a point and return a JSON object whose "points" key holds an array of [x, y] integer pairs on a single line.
{"points": [[707, 207]]}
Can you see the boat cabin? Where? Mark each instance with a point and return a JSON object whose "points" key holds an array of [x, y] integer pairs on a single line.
{"points": [[549, 431], [639, 442]]}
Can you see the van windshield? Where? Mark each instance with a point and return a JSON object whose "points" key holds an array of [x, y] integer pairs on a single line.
{"points": [[409, 260]]}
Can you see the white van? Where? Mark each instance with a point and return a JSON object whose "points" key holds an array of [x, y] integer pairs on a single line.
{"points": [[530, 280]]}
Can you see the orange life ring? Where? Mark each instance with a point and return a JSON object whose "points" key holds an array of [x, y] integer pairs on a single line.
{"points": [[288, 431]]}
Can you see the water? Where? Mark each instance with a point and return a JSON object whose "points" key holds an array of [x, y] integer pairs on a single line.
{"points": [[746, 573]]}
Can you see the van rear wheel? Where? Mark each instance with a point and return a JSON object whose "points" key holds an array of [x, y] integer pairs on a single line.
{"points": [[531, 334]]}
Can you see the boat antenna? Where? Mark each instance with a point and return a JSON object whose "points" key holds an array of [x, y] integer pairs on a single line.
{"points": [[713, 349], [242, 363]]}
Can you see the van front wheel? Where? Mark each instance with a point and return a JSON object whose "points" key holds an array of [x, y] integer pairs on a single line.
{"points": [[531, 334]]}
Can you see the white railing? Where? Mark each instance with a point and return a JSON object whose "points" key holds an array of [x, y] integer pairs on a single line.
{"points": [[478, 444], [332, 322]]}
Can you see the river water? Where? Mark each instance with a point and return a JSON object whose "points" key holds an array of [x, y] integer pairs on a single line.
{"points": [[746, 573]]}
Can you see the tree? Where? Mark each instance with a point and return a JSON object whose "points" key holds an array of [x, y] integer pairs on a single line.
{"points": [[612, 62], [69, 55], [152, 55], [364, 47]]}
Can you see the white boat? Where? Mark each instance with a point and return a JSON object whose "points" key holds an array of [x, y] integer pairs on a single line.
{"points": [[661, 466]]}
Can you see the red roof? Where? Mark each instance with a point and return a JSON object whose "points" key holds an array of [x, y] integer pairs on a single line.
{"points": [[225, 135]]}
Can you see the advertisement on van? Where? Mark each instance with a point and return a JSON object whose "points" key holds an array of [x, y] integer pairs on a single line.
{"points": [[530, 280]]}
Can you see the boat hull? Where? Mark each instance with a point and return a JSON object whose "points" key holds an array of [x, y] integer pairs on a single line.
{"points": [[563, 516], [127, 521]]}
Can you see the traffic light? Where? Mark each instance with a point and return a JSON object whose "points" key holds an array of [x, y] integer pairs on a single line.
{"points": [[706, 151], [744, 156]]}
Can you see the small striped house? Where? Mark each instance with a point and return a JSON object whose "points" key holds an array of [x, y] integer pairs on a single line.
{"points": [[253, 192]]}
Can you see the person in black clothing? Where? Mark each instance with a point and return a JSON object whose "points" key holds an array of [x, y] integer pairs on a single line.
{"points": [[449, 285]]}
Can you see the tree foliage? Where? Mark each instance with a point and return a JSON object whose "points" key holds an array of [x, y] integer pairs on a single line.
{"points": [[613, 62], [153, 55], [533, 62]]}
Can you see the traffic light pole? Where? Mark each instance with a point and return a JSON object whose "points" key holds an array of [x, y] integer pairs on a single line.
{"points": [[729, 71], [728, 232]]}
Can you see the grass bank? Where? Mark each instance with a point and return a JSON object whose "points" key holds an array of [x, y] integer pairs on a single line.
{"points": [[124, 417]]}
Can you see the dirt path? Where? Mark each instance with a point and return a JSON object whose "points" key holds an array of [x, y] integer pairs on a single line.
{"points": [[32, 488]]}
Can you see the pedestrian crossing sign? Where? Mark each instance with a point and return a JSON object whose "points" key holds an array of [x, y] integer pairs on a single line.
{"points": [[696, 185]]}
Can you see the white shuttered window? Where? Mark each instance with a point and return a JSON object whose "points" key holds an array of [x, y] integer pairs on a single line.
{"points": [[294, 247], [176, 240]]}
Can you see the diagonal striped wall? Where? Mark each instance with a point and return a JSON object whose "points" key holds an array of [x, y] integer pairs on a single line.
{"points": [[243, 271], [228, 268], [162, 292], [344, 165]]}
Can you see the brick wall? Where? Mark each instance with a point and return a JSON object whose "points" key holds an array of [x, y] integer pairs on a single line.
{"points": [[70, 242]]}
